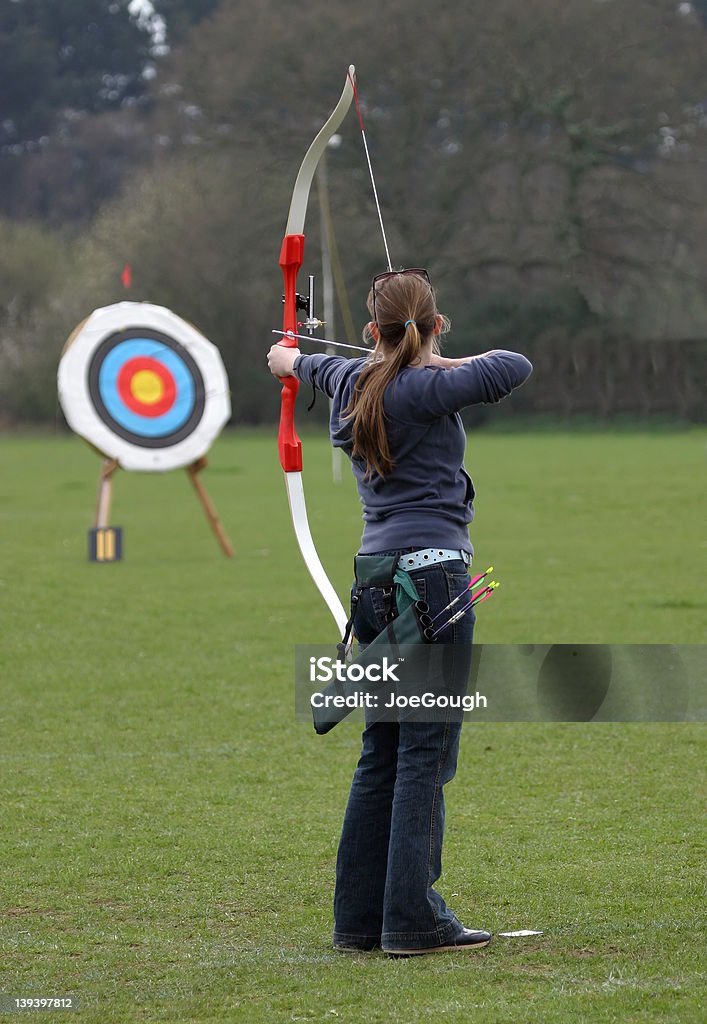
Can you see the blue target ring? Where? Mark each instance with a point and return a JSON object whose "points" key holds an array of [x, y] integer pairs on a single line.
{"points": [[158, 426], [147, 431]]}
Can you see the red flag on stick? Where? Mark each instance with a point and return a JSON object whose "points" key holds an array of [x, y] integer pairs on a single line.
{"points": [[127, 276]]}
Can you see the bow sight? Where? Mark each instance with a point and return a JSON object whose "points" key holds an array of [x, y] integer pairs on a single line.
{"points": [[306, 304]]}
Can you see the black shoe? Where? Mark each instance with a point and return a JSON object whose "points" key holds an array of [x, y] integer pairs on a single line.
{"points": [[469, 939]]}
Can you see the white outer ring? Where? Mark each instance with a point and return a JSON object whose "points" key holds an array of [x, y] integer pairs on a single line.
{"points": [[79, 409]]}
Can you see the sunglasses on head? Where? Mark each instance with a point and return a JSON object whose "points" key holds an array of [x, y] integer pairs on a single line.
{"points": [[416, 271]]}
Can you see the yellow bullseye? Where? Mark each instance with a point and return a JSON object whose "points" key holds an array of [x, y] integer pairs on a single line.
{"points": [[147, 387]]}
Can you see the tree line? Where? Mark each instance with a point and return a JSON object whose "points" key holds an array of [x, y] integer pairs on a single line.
{"points": [[545, 162]]}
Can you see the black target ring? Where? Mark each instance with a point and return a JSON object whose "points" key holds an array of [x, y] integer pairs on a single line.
{"points": [[174, 426]]}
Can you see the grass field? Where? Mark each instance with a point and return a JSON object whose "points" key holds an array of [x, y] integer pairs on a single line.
{"points": [[169, 831]]}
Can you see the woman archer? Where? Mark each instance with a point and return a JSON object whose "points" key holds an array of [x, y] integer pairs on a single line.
{"points": [[396, 416]]}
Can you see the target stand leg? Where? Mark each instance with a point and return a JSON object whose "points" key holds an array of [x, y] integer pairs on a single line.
{"points": [[209, 507], [105, 543]]}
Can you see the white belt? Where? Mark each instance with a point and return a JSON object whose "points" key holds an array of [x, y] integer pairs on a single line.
{"points": [[431, 556]]}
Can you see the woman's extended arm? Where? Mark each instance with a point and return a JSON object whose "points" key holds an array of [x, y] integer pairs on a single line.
{"points": [[468, 381]]}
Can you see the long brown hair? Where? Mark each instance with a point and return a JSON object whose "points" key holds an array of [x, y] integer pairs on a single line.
{"points": [[403, 308]]}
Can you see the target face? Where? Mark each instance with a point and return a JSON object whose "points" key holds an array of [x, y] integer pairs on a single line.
{"points": [[143, 386]]}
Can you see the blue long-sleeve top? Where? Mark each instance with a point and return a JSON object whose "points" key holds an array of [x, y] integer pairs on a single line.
{"points": [[427, 500]]}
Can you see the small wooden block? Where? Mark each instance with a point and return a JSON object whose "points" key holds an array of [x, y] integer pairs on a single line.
{"points": [[105, 544]]}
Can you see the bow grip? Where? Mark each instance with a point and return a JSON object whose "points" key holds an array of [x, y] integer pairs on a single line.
{"points": [[289, 444]]}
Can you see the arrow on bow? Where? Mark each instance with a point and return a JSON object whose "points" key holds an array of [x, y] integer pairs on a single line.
{"points": [[289, 444]]}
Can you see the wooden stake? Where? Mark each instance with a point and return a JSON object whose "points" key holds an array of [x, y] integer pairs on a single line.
{"points": [[105, 492], [208, 506]]}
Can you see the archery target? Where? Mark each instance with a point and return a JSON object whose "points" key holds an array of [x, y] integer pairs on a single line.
{"points": [[143, 386]]}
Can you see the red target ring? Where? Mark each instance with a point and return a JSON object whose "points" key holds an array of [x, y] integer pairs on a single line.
{"points": [[146, 386]]}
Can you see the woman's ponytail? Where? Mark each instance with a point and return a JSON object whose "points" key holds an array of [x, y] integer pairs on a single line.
{"points": [[406, 315]]}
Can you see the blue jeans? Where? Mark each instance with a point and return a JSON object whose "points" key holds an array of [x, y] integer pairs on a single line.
{"points": [[390, 852]]}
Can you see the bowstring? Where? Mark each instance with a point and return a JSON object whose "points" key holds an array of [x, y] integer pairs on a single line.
{"points": [[370, 171]]}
